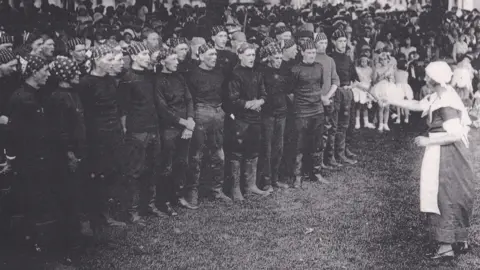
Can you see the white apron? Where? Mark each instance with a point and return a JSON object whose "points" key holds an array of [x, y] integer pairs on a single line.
{"points": [[429, 177], [430, 172]]}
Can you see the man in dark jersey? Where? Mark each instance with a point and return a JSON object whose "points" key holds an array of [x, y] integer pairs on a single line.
{"points": [[205, 83], [340, 116]]}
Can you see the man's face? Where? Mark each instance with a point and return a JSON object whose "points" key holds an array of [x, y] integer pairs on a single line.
{"points": [[322, 46], [9, 68], [247, 58], [170, 63], [181, 50], [291, 52], [142, 59], [309, 55], [275, 61], [105, 63], [78, 54], [209, 58], [37, 46], [302, 40], [341, 44], [48, 47], [153, 40], [42, 75], [117, 64], [220, 39], [75, 80]]}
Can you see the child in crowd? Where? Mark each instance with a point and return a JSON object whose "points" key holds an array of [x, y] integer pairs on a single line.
{"points": [[361, 95], [384, 89], [401, 79]]}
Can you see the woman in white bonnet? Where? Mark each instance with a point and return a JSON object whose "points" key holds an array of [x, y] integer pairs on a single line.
{"points": [[447, 179]]}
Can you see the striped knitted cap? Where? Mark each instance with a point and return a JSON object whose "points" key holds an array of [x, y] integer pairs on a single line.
{"points": [[164, 53], [339, 33], [64, 69], [100, 51], [288, 43], [204, 48], [272, 49], [308, 45], [280, 30], [6, 56], [136, 48], [217, 29], [244, 47], [31, 64], [6, 38], [174, 41], [267, 41], [320, 36], [71, 43]]}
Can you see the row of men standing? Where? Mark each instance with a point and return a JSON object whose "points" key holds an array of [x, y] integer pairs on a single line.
{"points": [[155, 128]]}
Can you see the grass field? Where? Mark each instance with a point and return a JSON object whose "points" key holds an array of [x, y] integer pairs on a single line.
{"points": [[366, 218]]}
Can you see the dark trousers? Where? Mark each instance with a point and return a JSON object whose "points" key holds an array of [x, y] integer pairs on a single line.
{"points": [[174, 165], [106, 158], [142, 174], [244, 140], [207, 140], [338, 117], [273, 128], [289, 146], [309, 142], [46, 197]]}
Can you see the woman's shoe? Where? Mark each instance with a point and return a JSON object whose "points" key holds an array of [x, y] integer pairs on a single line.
{"points": [[443, 256], [461, 248]]}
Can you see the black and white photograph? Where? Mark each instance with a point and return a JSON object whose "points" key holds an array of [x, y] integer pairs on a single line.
{"points": [[239, 134]]}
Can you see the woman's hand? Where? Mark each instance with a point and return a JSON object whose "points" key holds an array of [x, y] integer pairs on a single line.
{"points": [[422, 141]]}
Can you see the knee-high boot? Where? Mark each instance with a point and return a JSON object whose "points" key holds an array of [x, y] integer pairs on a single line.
{"points": [[251, 177], [235, 168]]}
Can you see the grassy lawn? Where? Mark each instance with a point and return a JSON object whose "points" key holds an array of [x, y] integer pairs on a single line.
{"points": [[366, 218]]}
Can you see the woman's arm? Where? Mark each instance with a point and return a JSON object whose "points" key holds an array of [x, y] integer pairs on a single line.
{"points": [[444, 140], [454, 52], [412, 105]]}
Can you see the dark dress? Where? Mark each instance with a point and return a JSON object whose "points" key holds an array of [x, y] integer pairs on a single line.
{"points": [[456, 185]]}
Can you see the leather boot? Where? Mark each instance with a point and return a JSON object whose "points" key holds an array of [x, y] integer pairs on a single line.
{"points": [[184, 203], [235, 176], [168, 209], [112, 222], [153, 210], [333, 163], [219, 195], [251, 177], [344, 159], [136, 219], [193, 197], [298, 182], [349, 153]]}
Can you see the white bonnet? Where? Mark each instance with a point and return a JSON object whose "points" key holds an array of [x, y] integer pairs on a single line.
{"points": [[440, 72]]}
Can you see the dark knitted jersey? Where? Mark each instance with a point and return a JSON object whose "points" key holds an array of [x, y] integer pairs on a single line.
{"points": [[68, 120], [206, 85], [278, 84], [307, 89], [345, 68], [99, 99], [173, 98], [136, 94], [246, 84]]}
